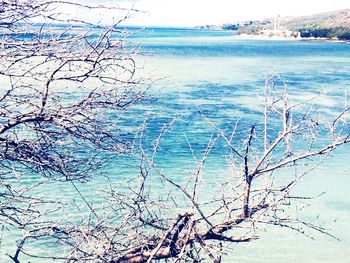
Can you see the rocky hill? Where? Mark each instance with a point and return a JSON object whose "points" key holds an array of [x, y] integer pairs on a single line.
{"points": [[329, 25], [333, 19]]}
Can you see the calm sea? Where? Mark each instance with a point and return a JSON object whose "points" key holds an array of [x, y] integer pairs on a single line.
{"points": [[223, 77], [212, 73]]}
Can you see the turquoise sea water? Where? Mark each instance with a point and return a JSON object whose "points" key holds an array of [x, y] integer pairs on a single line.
{"points": [[220, 76], [223, 77]]}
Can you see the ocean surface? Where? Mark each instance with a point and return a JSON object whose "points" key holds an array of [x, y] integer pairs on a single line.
{"points": [[214, 74], [223, 77]]}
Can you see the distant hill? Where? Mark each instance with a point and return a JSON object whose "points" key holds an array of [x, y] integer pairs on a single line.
{"points": [[333, 19], [329, 25]]}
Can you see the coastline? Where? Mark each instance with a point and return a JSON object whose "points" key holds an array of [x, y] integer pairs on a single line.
{"points": [[280, 38]]}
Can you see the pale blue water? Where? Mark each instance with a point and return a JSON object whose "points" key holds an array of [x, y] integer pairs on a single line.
{"points": [[223, 77], [212, 73]]}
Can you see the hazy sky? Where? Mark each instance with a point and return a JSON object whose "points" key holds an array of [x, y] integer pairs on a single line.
{"points": [[198, 12], [201, 12]]}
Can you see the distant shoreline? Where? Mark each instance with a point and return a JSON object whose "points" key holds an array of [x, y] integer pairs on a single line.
{"points": [[279, 38], [314, 39]]}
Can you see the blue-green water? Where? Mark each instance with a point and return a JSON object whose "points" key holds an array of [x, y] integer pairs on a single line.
{"points": [[223, 77], [212, 73]]}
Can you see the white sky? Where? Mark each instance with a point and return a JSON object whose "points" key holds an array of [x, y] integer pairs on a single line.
{"points": [[199, 12], [203, 12]]}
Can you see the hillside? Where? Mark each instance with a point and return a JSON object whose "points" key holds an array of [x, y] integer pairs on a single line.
{"points": [[333, 19], [329, 25]]}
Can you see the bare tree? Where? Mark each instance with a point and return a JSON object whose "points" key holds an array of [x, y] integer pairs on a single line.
{"points": [[290, 142], [61, 86], [63, 80], [56, 79], [266, 163]]}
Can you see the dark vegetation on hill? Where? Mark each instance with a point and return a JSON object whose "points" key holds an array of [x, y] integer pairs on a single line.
{"points": [[340, 33]]}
